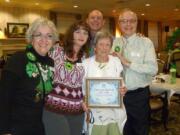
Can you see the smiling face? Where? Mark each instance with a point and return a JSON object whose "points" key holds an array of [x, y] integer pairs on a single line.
{"points": [[42, 40], [128, 23], [95, 21], [80, 37], [103, 48]]}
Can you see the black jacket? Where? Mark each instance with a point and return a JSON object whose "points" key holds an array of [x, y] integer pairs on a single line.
{"points": [[18, 107]]}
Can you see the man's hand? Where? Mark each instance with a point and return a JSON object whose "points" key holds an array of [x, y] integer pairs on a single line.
{"points": [[124, 61], [140, 35]]}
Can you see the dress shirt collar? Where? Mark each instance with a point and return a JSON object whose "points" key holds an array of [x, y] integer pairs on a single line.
{"points": [[129, 39]]}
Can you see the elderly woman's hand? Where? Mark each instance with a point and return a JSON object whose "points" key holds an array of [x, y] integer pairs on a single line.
{"points": [[123, 90]]}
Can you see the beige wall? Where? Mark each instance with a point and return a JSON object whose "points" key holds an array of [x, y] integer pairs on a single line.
{"points": [[64, 20], [24, 15], [153, 33], [156, 31], [19, 15]]}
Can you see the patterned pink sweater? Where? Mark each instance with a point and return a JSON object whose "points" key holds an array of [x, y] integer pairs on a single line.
{"points": [[67, 96]]}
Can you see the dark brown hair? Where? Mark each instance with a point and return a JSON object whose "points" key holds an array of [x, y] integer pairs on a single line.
{"points": [[68, 47]]}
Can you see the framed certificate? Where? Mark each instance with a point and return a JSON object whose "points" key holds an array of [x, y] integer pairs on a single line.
{"points": [[103, 92]]}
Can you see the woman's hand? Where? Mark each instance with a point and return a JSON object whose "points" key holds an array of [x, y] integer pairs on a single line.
{"points": [[85, 108], [123, 90]]}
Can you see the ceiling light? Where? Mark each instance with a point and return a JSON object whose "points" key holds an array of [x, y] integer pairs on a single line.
{"points": [[75, 6], [147, 5], [114, 11], [7, 0], [36, 4], [176, 9]]}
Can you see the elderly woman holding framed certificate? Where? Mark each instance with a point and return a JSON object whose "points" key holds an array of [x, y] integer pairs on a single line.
{"points": [[103, 89]]}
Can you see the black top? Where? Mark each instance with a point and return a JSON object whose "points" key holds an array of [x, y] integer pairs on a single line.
{"points": [[18, 91]]}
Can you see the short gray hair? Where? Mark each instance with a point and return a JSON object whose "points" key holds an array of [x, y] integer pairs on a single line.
{"points": [[127, 10], [103, 34], [40, 22]]}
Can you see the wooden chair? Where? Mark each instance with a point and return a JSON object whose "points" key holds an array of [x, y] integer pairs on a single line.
{"points": [[164, 57], [161, 66], [159, 103]]}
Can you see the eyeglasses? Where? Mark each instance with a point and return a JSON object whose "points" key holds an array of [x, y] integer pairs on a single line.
{"points": [[125, 21], [41, 36]]}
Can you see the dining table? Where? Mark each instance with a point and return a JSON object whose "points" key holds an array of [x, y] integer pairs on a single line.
{"points": [[161, 86], [158, 86]]}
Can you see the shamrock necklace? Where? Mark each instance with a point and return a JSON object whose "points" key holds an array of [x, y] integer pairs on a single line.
{"points": [[69, 64]]}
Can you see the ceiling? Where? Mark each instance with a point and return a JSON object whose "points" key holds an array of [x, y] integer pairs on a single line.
{"points": [[158, 10]]}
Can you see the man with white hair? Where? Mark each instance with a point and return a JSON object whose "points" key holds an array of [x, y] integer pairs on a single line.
{"points": [[138, 57]]}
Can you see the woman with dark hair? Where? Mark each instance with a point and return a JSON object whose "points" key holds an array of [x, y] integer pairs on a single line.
{"points": [[64, 105]]}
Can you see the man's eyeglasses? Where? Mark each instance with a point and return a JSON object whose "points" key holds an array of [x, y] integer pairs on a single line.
{"points": [[41, 36], [125, 21]]}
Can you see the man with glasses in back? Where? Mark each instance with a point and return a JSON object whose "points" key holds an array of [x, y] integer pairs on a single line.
{"points": [[137, 54]]}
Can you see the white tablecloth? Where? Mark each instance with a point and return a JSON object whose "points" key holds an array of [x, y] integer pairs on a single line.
{"points": [[158, 87]]}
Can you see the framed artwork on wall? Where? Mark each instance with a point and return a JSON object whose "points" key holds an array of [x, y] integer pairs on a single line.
{"points": [[17, 30]]}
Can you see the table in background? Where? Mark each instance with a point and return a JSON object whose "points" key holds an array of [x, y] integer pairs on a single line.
{"points": [[171, 89]]}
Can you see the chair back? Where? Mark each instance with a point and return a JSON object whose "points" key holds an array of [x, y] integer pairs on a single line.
{"points": [[159, 102], [161, 66], [176, 60], [165, 57]]}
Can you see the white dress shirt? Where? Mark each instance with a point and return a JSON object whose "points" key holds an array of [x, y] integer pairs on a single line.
{"points": [[140, 52]]}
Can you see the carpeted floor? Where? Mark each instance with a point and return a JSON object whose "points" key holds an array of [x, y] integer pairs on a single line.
{"points": [[173, 123]]}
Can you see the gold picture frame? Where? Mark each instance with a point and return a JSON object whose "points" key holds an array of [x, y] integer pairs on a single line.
{"points": [[103, 92], [17, 30]]}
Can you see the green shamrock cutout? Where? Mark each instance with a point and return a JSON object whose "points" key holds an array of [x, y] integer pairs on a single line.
{"points": [[29, 46], [117, 49], [31, 70], [68, 65], [31, 56]]}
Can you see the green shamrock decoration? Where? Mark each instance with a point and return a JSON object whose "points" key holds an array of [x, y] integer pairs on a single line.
{"points": [[117, 49], [29, 46], [31, 70], [47, 83], [51, 50], [31, 56], [68, 65]]}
